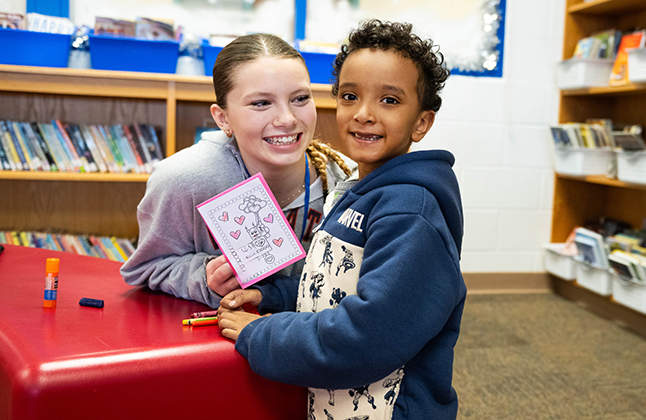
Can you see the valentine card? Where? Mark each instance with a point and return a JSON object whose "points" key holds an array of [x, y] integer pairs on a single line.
{"points": [[251, 230]]}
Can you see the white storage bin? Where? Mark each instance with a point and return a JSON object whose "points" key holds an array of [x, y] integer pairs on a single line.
{"points": [[631, 166], [629, 293], [583, 73], [637, 65], [584, 161], [560, 265], [599, 280]]}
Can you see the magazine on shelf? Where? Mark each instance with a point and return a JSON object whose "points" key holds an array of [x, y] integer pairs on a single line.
{"points": [[592, 247], [114, 27]]}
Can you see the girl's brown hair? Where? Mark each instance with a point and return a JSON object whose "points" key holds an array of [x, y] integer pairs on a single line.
{"points": [[243, 50]]}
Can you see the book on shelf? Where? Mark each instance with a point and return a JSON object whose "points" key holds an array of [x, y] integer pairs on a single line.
{"points": [[592, 135], [12, 21], [114, 27], [21, 161], [592, 247], [37, 22], [600, 45], [154, 29], [57, 146], [620, 74], [107, 247]]}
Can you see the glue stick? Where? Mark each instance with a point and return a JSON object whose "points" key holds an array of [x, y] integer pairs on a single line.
{"points": [[51, 282]]}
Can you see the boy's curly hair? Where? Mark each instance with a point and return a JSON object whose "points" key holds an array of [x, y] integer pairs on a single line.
{"points": [[399, 37]]}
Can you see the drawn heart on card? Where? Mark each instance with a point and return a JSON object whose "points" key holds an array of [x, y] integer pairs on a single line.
{"points": [[269, 218], [239, 220], [278, 242], [235, 234], [224, 217]]}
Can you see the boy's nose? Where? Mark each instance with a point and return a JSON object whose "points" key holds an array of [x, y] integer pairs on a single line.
{"points": [[364, 114]]}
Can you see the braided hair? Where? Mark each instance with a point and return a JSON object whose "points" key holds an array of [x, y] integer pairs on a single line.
{"points": [[320, 153]]}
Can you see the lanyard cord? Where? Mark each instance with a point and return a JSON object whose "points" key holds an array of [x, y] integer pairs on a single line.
{"points": [[307, 192], [307, 196]]}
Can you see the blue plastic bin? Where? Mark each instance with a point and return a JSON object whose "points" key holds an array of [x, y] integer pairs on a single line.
{"points": [[319, 66], [210, 54], [130, 54], [27, 48]]}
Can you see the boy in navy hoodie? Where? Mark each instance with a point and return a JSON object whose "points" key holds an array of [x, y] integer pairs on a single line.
{"points": [[371, 325]]}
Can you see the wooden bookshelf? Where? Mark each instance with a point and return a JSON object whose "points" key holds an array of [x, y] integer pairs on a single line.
{"points": [[578, 200], [105, 204]]}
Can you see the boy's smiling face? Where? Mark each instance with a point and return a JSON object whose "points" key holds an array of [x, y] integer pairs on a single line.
{"points": [[378, 109]]}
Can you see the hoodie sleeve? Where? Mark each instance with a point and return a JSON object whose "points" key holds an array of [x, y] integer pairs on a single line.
{"points": [[409, 286], [167, 257]]}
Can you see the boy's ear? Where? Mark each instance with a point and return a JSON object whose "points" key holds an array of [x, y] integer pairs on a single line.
{"points": [[424, 123], [220, 117]]}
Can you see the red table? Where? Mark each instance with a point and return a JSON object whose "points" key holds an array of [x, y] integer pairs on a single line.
{"points": [[132, 359]]}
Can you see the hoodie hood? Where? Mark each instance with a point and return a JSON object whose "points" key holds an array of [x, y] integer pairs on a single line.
{"points": [[431, 169]]}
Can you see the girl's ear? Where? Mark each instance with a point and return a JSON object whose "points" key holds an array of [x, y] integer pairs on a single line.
{"points": [[424, 123], [220, 118]]}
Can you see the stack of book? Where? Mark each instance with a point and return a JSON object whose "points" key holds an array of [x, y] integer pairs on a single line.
{"points": [[592, 134], [61, 147], [111, 248]]}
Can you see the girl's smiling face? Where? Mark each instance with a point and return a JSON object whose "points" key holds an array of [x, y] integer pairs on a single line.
{"points": [[378, 109], [271, 112]]}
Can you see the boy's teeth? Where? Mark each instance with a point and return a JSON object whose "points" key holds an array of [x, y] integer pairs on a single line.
{"points": [[281, 141], [364, 137]]}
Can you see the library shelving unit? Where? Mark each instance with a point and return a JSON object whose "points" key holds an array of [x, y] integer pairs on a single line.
{"points": [[104, 204], [581, 199]]}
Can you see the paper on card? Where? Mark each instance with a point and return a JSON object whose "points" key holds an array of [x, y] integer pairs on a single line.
{"points": [[251, 230]]}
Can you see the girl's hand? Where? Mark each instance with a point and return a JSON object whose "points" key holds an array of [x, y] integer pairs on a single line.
{"points": [[220, 277]]}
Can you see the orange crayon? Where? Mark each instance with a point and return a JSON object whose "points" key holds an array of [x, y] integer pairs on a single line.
{"points": [[198, 322]]}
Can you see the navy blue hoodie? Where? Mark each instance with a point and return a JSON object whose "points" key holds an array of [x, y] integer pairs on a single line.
{"points": [[379, 303]]}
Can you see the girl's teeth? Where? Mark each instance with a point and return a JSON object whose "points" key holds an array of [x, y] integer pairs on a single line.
{"points": [[282, 141]]}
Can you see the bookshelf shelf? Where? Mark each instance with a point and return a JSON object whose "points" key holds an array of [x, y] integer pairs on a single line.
{"points": [[605, 7], [578, 200], [105, 204], [604, 180], [67, 176], [632, 88]]}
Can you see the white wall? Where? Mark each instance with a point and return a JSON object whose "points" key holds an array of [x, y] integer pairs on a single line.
{"points": [[496, 127]]}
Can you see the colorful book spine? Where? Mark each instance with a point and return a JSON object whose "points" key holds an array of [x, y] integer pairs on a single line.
{"points": [[33, 162], [91, 144], [116, 246], [33, 128], [72, 162], [104, 149], [29, 134], [79, 161], [23, 164], [105, 133], [136, 131], [4, 160], [124, 149]]}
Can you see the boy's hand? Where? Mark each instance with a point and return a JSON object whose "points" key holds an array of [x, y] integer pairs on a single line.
{"points": [[231, 322], [231, 317], [220, 277], [235, 299]]}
